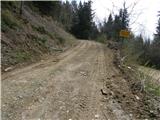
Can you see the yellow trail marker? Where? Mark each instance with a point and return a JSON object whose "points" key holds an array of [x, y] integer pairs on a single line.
{"points": [[124, 33]]}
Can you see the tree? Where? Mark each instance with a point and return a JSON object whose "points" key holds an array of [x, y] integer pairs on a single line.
{"points": [[94, 31], [83, 21], [108, 26], [65, 16], [157, 35]]}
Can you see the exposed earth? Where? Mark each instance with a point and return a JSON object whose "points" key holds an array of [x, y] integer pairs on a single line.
{"points": [[81, 83]]}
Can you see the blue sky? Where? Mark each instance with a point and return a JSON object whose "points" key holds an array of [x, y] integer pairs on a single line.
{"points": [[143, 18]]}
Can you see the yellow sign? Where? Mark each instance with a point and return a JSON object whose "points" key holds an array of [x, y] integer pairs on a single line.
{"points": [[124, 33]]}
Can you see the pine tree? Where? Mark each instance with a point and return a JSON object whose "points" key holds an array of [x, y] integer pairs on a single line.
{"points": [[65, 16], [83, 21], [116, 28], [108, 27], [157, 35]]}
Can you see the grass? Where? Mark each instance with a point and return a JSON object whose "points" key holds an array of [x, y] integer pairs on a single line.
{"points": [[153, 89], [151, 84]]}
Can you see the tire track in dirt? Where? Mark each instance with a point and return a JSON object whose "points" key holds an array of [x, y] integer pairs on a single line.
{"points": [[84, 107], [40, 113], [78, 102]]}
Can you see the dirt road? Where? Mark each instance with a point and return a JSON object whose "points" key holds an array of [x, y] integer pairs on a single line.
{"points": [[80, 84]]}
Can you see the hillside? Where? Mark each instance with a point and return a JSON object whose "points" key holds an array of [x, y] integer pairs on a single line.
{"points": [[28, 37]]}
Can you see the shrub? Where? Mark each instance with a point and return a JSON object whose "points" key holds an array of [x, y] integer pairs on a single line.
{"points": [[8, 20], [102, 38]]}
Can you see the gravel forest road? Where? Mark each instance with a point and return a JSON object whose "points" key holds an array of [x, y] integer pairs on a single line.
{"points": [[81, 83]]}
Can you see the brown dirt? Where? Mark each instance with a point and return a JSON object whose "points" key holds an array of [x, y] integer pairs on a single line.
{"points": [[81, 83]]}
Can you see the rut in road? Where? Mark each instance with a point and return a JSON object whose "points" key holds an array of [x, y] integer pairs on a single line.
{"points": [[69, 89]]}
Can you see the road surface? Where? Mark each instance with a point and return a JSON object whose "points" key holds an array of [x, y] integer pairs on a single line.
{"points": [[81, 83]]}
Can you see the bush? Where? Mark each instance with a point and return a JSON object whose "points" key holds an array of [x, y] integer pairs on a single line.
{"points": [[102, 38], [8, 20]]}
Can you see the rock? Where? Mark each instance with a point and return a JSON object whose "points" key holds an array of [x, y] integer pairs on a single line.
{"points": [[83, 73], [137, 97], [104, 92], [113, 45], [96, 116], [129, 67], [20, 97], [130, 115]]}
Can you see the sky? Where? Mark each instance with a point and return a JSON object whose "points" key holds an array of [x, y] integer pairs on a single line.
{"points": [[143, 18]]}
